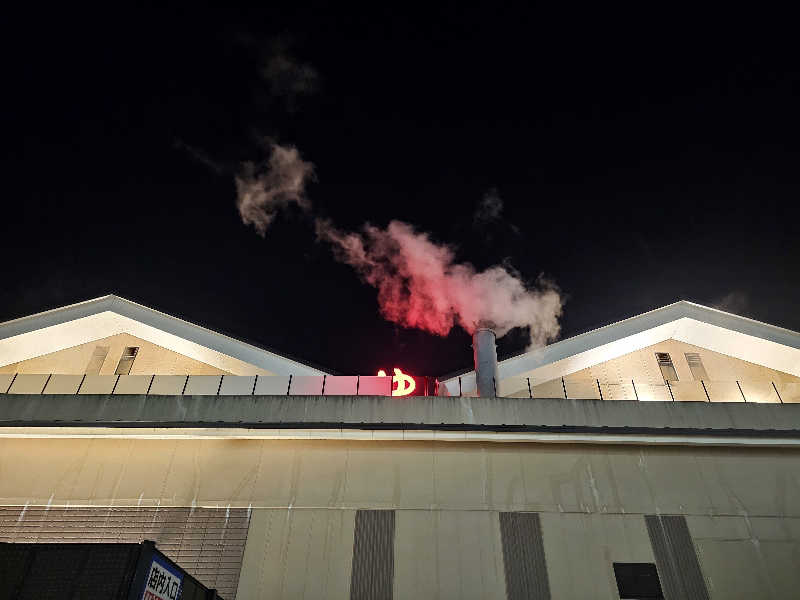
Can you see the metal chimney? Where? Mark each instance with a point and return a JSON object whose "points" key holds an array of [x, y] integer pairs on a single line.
{"points": [[485, 354]]}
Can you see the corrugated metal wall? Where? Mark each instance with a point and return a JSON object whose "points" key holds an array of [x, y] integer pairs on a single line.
{"points": [[373, 556], [207, 542], [523, 557], [676, 559]]}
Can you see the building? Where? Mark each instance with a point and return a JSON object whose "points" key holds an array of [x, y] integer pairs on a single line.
{"points": [[663, 447]]}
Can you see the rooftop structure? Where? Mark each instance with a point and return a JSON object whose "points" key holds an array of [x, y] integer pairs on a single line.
{"points": [[590, 465]]}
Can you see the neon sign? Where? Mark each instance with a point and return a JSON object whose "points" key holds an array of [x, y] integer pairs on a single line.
{"points": [[402, 384]]}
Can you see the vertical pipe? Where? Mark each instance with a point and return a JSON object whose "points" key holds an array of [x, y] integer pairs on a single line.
{"points": [[564, 385], [598, 388], [635, 393], [703, 383], [485, 355], [530, 392]]}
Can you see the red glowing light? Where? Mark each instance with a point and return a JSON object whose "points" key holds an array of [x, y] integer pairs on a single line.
{"points": [[402, 384]]}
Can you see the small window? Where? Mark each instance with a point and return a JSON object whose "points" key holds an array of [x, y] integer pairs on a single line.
{"points": [[638, 580], [667, 368], [696, 366], [126, 362], [97, 360]]}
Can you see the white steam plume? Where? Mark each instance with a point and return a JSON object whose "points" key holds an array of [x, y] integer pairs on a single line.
{"points": [[264, 190], [421, 286]]}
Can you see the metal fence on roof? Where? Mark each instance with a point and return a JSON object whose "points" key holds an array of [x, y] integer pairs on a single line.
{"points": [[364, 385]]}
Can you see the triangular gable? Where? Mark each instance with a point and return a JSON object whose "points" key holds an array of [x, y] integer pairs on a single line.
{"points": [[54, 330], [746, 339]]}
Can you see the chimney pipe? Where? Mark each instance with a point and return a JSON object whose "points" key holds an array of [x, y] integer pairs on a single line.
{"points": [[485, 354]]}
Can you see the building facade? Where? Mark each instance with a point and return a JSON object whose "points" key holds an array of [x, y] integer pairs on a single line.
{"points": [[657, 455]]}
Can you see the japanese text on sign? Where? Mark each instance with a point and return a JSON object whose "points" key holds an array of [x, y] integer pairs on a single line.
{"points": [[163, 583]]}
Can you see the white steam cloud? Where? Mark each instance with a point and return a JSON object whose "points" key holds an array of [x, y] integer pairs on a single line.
{"points": [[419, 282], [262, 191], [421, 286]]}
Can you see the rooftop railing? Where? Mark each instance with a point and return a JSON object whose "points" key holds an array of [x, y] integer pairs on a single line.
{"points": [[363, 385]]}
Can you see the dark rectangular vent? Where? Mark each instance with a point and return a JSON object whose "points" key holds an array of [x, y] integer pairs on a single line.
{"points": [[676, 559], [372, 576], [523, 556], [638, 581]]}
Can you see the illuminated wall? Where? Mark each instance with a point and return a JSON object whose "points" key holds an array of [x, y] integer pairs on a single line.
{"points": [[641, 365], [151, 359], [742, 506]]}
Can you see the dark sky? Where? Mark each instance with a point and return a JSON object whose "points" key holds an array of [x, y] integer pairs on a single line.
{"points": [[641, 160]]}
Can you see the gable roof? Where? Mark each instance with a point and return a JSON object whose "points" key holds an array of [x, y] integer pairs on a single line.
{"points": [[726, 333], [60, 328]]}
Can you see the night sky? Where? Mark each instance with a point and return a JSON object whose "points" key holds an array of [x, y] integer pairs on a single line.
{"points": [[639, 162]]}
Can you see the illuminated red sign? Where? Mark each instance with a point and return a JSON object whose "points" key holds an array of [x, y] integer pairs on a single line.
{"points": [[402, 384], [411, 385]]}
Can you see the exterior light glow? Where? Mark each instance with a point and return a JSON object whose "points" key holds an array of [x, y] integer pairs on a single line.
{"points": [[402, 384]]}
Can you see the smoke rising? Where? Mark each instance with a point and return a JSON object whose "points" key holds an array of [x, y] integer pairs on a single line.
{"points": [[289, 78], [419, 282], [489, 210], [263, 191], [421, 286]]}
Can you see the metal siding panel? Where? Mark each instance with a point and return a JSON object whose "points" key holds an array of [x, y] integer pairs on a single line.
{"points": [[790, 392], [724, 391], [133, 384], [617, 390], [372, 576], [372, 385], [676, 558], [759, 391], [582, 389], [523, 557], [306, 385], [690, 391], [237, 385], [208, 543], [202, 385], [98, 384], [272, 385], [514, 387], [5, 381], [341, 385], [63, 384], [548, 389], [168, 385], [28, 384], [652, 392]]}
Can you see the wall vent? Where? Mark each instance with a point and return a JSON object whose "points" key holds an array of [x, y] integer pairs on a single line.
{"points": [[696, 366], [668, 371], [126, 362]]}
